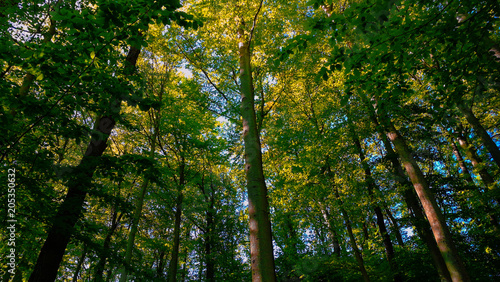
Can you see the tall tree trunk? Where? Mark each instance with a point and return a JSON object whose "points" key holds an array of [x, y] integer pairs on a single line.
{"points": [[485, 176], [161, 264], [209, 229], [352, 239], [261, 244], [481, 132], [436, 219], [370, 183], [80, 263], [71, 209]]}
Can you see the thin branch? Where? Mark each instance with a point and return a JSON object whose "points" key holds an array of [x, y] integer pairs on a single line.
{"points": [[202, 70], [254, 22]]}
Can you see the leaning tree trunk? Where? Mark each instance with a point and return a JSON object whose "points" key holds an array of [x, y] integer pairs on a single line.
{"points": [[441, 232], [261, 244], [370, 183], [482, 133], [71, 209], [418, 215], [105, 252], [352, 239]]}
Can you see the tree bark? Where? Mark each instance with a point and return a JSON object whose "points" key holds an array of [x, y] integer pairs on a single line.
{"points": [[71, 209], [261, 246], [461, 163], [482, 133], [395, 227]]}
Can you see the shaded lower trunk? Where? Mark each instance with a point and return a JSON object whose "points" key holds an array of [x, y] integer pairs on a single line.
{"points": [[333, 233], [370, 184], [98, 276], [395, 227], [174, 260]]}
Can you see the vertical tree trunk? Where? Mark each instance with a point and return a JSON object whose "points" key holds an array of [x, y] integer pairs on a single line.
{"points": [[161, 264], [69, 212], [174, 260], [352, 240], [261, 246], [482, 133], [436, 219]]}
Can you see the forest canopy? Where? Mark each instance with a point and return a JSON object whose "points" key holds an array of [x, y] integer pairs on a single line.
{"points": [[249, 140]]}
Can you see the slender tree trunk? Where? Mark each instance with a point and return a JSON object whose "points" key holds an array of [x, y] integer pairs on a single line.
{"points": [[71, 209], [481, 132], [174, 260], [431, 209], [210, 271], [370, 183], [464, 170], [395, 227], [161, 264], [352, 239], [80, 263], [261, 246], [485, 176], [470, 152], [333, 234], [98, 276]]}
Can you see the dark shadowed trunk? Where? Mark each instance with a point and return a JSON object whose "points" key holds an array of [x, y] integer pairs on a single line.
{"points": [[71, 209]]}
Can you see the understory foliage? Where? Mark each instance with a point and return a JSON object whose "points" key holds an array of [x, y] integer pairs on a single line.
{"points": [[375, 119]]}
